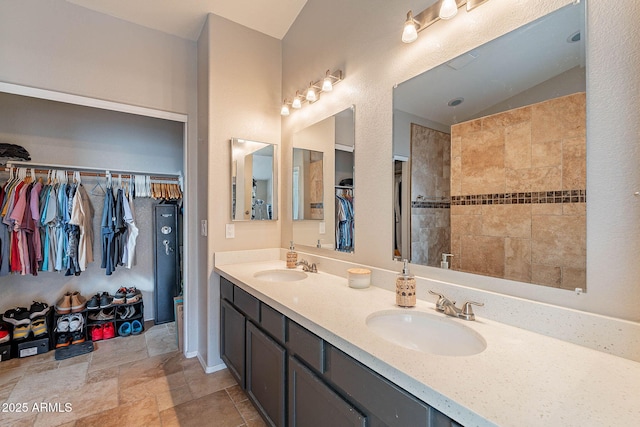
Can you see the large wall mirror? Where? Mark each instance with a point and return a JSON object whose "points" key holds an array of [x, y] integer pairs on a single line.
{"points": [[490, 157], [322, 183], [253, 181]]}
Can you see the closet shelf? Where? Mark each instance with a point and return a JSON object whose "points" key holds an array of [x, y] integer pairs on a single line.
{"points": [[92, 170]]}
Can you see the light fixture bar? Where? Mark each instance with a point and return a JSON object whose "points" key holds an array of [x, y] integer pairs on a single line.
{"points": [[318, 86], [431, 15]]}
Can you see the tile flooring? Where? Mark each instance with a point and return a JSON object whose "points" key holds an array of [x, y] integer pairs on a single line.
{"points": [[134, 381]]}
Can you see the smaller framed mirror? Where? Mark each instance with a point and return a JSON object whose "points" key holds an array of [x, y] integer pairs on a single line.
{"points": [[253, 181]]}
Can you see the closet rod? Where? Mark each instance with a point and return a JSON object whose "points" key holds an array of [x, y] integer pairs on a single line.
{"points": [[102, 174], [19, 163]]}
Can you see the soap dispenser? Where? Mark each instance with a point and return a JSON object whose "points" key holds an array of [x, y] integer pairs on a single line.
{"points": [[405, 287], [445, 261], [292, 256]]}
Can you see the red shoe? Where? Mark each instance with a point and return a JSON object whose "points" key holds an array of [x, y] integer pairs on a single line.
{"points": [[109, 331], [97, 333]]}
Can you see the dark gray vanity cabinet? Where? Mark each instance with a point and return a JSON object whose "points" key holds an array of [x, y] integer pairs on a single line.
{"points": [[232, 340], [266, 375], [297, 379], [312, 403]]}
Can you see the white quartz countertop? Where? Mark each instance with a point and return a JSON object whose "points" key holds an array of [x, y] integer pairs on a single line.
{"points": [[520, 379]]}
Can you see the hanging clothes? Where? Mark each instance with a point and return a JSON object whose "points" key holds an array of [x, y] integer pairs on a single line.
{"points": [[344, 220], [82, 217], [35, 230], [128, 258]]}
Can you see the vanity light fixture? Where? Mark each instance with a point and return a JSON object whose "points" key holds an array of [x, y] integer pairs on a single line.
{"points": [[448, 10], [284, 111], [297, 103], [443, 9], [313, 91]]}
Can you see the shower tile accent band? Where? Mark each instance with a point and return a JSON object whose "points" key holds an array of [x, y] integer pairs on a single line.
{"points": [[556, 196], [431, 205]]}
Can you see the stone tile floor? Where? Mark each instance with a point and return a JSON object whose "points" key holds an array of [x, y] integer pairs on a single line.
{"points": [[140, 380]]}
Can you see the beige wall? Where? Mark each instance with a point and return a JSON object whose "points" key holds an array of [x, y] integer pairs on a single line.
{"points": [[363, 38], [243, 100], [535, 157], [430, 178]]}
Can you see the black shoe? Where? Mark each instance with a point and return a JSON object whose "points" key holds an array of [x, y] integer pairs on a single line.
{"points": [[105, 300], [63, 340], [77, 337], [38, 309], [94, 302], [17, 316]]}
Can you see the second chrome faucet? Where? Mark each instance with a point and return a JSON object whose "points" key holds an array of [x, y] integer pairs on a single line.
{"points": [[448, 307]]}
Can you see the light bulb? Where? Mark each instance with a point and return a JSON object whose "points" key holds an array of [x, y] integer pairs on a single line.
{"points": [[327, 86], [296, 102], [448, 10], [410, 33], [311, 94], [284, 111]]}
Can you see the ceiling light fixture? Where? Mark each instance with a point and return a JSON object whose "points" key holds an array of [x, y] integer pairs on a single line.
{"points": [[313, 91], [443, 9]]}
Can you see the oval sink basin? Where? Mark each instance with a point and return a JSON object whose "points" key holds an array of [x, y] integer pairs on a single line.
{"points": [[427, 333], [280, 275]]}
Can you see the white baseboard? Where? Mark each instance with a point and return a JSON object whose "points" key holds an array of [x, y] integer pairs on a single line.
{"points": [[209, 369]]}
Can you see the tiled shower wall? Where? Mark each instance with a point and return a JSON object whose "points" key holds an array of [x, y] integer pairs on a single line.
{"points": [[518, 187], [430, 195]]}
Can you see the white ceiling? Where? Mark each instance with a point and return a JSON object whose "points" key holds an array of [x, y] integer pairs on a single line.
{"points": [[184, 18]]}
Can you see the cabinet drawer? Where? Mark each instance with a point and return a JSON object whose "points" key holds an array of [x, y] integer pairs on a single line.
{"points": [[226, 289], [312, 403], [306, 345], [384, 400], [247, 303], [273, 322]]}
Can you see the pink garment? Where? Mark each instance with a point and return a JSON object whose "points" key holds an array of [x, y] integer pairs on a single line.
{"points": [[16, 215], [35, 214]]}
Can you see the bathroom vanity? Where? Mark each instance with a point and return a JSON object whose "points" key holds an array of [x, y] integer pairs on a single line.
{"points": [[301, 349]]}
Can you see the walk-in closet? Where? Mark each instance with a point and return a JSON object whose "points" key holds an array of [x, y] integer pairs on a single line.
{"points": [[113, 155]]}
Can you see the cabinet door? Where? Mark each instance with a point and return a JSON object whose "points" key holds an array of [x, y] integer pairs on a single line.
{"points": [[313, 404], [265, 375], [232, 329]]}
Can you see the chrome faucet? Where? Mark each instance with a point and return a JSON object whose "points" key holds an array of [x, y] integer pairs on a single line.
{"points": [[448, 307], [306, 267]]}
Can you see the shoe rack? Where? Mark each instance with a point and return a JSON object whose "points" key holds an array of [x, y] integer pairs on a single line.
{"points": [[122, 313]]}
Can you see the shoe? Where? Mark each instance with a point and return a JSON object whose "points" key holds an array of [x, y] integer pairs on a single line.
{"points": [[109, 331], [103, 315], [39, 326], [78, 302], [120, 296], [63, 306], [132, 312], [105, 300], [125, 329], [38, 309], [62, 324], [17, 316], [133, 298], [21, 332], [77, 337], [76, 322], [97, 333], [63, 340], [136, 327], [94, 302], [4, 334]]}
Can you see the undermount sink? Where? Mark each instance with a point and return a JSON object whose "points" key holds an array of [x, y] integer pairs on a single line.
{"points": [[427, 333], [280, 275]]}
